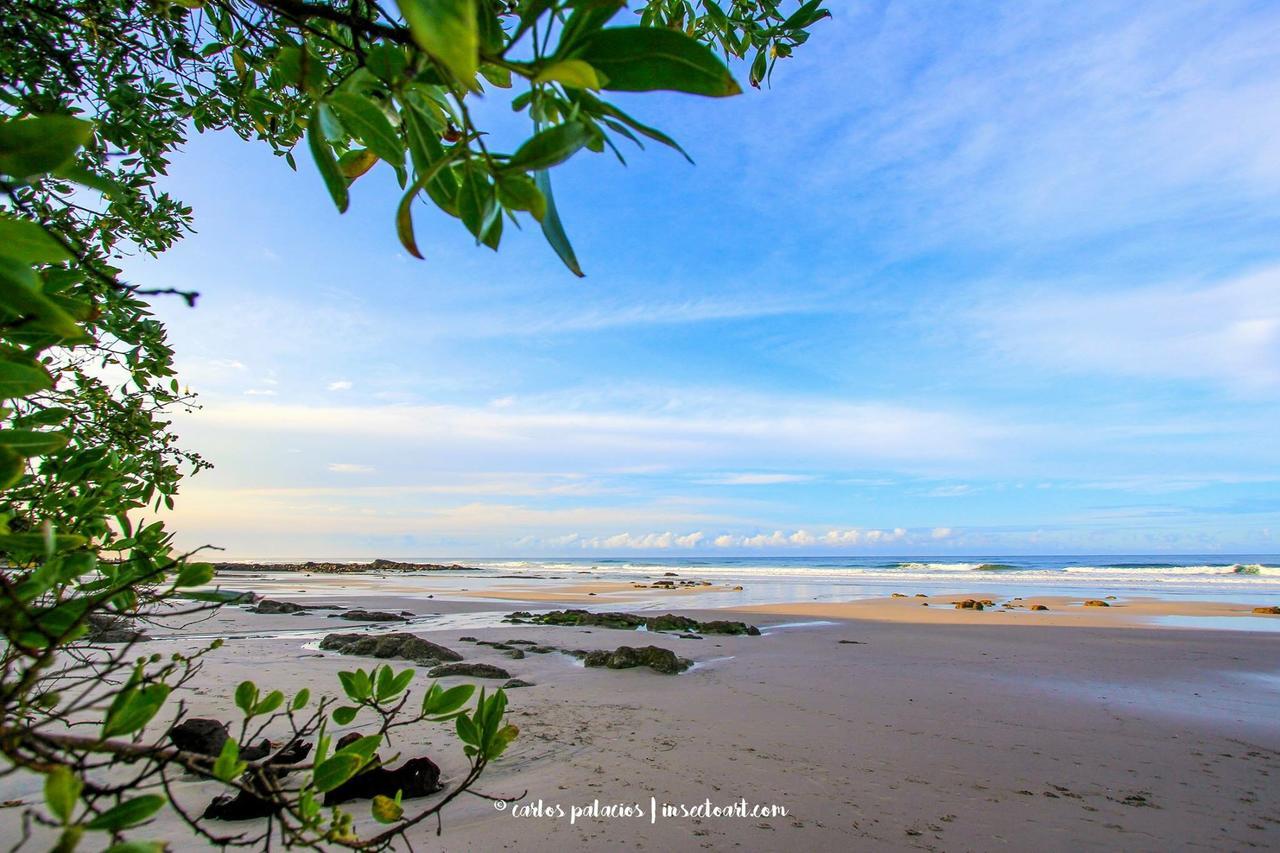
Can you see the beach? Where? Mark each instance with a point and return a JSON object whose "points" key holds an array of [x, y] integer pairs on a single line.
{"points": [[870, 723]]}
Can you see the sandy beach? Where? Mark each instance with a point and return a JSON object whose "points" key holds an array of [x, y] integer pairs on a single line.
{"points": [[874, 723]]}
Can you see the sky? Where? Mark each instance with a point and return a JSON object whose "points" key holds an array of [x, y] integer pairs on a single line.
{"points": [[969, 278]]}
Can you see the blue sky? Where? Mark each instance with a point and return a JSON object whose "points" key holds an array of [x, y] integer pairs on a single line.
{"points": [[968, 279]]}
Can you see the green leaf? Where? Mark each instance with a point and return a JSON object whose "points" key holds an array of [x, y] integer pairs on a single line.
{"points": [[808, 14], [12, 467], [129, 813], [246, 695], [28, 242], [385, 809], [552, 228], [438, 702], [344, 714], [364, 748], [325, 162], [136, 711], [467, 731], [30, 443], [334, 771], [20, 293], [33, 146], [356, 162], [517, 192], [228, 764], [195, 574], [300, 701], [366, 121], [273, 700], [642, 59], [446, 29], [571, 72], [500, 740], [475, 200], [62, 791], [550, 147], [19, 380]]}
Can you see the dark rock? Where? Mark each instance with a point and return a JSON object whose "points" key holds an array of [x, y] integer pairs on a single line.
{"points": [[516, 682], [472, 670], [1094, 602], [921, 595], [670, 575], [852, 642], [400, 646], [199, 735], [690, 637], [467, 640], [515, 654], [656, 658], [243, 806], [968, 604], [369, 616], [898, 595], [1038, 607], [266, 605], [630, 621], [417, 777], [1267, 611]]}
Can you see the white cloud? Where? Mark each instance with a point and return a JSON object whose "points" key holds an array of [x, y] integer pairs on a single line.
{"points": [[349, 468], [260, 392], [339, 385], [941, 533], [1223, 332], [755, 479]]}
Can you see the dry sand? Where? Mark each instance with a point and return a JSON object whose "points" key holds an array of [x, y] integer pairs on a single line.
{"points": [[934, 728]]}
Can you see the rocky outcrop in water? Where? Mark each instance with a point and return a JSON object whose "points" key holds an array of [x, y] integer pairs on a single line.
{"points": [[656, 658], [399, 646], [470, 670], [630, 622]]}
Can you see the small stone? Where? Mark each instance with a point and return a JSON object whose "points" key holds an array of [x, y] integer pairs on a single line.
{"points": [[512, 683], [1038, 607]]}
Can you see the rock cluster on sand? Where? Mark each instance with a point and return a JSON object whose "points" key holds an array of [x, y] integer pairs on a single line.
{"points": [[470, 670], [266, 605], [1267, 611], [974, 604], [656, 658], [630, 622], [359, 615], [1096, 602], [399, 646]]}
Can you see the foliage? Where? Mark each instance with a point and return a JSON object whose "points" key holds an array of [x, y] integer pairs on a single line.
{"points": [[95, 96]]}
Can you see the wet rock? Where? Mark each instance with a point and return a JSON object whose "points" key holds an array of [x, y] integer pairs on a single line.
{"points": [[1095, 602], [690, 637], [266, 605], [969, 604], [899, 595], [921, 595], [1267, 611], [417, 777], [1038, 607], [851, 642], [199, 735], [471, 670], [467, 640], [369, 616], [512, 683], [243, 806], [670, 575], [400, 646], [656, 658], [631, 621], [515, 654]]}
